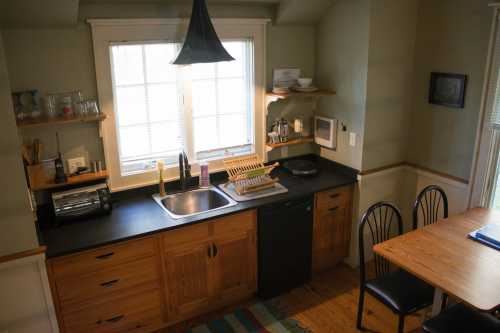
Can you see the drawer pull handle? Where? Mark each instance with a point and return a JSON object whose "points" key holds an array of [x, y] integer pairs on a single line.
{"points": [[335, 195], [115, 319], [105, 256], [333, 209], [111, 320], [109, 283]]}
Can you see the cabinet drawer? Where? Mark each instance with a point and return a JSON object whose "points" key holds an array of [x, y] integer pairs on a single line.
{"points": [[82, 263], [244, 221], [136, 313], [186, 235], [337, 197], [104, 282]]}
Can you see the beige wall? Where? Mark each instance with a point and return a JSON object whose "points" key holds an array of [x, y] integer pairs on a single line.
{"points": [[452, 36], [18, 228], [342, 65], [390, 74], [54, 60]]}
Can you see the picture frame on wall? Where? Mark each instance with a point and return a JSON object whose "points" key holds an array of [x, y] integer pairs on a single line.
{"points": [[448, 89]]}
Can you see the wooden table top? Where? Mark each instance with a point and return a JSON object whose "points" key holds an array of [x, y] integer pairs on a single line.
{"points": [[442, 255]]}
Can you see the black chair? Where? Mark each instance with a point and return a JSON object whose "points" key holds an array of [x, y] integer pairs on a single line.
{"points": [[432, 204], [461, 319], [403, 293]]}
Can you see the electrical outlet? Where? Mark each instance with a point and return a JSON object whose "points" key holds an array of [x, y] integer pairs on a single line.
{"points": [[284, 152], [352, 139], [75, 163]]}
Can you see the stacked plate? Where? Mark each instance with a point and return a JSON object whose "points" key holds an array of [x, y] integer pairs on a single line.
{"points": [[281, 90], [305, 89]]}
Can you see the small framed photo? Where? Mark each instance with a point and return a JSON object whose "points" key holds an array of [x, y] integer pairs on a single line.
{"points": [[448, 89], [285, 77]]}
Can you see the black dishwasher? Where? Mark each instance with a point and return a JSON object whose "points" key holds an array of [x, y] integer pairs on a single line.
{"points": [[285, 245]]}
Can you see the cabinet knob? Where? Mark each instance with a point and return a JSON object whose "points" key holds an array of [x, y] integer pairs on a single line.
{"points": [[333, 209], [214, 250]]}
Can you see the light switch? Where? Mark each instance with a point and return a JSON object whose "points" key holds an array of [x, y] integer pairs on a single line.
{"points": [[352, 139]]}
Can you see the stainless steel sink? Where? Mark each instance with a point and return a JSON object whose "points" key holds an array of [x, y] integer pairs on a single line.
{"points": [[194, 202]]}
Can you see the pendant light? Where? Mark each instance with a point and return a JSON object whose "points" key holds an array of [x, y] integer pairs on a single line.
{"points": [[202, 44]]}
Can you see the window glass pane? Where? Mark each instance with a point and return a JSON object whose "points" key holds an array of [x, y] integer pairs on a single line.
{"points": [[165, 137], [205, 134], [234, 68], [234, 130], [204, 95], [163, 102], [134, 141], [131, 105], [231, 94], [158, 62], [202, 71], [127, 64]]}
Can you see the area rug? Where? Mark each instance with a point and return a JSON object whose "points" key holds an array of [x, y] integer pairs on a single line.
{"points": [[258, 318]]}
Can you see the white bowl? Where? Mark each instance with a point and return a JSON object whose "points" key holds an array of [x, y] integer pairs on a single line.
{"points": [[304, 82]]}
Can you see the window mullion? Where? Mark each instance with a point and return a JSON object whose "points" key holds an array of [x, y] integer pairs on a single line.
{"points": [[187, 111], [217, 120], [148, 118]]}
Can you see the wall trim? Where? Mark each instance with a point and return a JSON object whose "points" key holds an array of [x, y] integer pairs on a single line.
{"points": [[172, 21], [23, 254], [420, 169]]}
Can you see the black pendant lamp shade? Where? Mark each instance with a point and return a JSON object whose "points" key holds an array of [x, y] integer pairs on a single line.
{"points": [[202, 44]]}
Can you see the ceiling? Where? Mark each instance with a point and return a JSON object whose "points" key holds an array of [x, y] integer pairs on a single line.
{"points": [[64, 13]]}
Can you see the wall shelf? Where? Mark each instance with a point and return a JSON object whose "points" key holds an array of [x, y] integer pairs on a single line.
{"points": [[39, 182], [294, 94], [44, 121], [273, 97], [290, 142]]}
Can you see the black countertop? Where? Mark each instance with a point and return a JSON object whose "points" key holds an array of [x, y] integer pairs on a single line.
{"points": [[135, 214]]}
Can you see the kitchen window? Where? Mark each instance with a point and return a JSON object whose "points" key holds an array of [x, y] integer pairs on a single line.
{"points": [[162, 109], [154, 109]]}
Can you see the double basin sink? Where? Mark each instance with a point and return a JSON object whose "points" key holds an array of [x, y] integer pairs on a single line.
{"points": [[194, 202]]}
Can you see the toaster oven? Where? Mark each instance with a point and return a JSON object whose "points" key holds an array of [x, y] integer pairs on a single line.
{"points": [[81, 202]]}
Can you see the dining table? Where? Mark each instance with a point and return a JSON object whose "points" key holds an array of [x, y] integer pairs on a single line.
{"points": [[443, 255]]}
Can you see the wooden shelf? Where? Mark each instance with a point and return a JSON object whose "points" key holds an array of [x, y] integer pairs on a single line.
{"points": [[38, 182], [292, 94], [43, 121], [291, 142]]}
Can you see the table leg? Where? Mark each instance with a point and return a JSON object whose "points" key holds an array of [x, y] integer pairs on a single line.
{"points": [[438, 301]]}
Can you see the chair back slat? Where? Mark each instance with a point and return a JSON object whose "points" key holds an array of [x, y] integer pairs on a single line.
{"points": [[382, 221], [431, 205]]}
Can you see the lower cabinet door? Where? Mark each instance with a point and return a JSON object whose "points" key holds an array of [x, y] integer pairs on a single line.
{"points": [[187, 280], [331, 239], [234, 269]]}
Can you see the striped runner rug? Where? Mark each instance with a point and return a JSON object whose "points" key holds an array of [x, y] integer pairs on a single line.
{"points": [[258, 318]]}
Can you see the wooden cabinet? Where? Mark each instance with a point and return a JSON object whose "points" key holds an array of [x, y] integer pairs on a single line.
{"points": [[210, 265], [332, 227], [115, 288]]}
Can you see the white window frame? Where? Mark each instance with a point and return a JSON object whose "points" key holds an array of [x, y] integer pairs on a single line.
{"points": [[108, 31], [487, 143]]}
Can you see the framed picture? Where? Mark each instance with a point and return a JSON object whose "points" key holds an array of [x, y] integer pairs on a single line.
{"points": [[285, 77], [448, 89]]}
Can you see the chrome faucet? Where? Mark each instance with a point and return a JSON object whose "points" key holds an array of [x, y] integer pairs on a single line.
{"points": [[184, 170]]}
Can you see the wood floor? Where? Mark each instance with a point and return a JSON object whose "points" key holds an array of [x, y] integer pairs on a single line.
{"points": [[327, 304]]}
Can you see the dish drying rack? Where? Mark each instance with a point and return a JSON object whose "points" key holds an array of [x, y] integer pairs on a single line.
{"points": [[249, 174]]}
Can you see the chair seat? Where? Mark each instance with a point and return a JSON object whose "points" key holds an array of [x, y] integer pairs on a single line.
{"points": [[462, 319], [401, 291]]}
